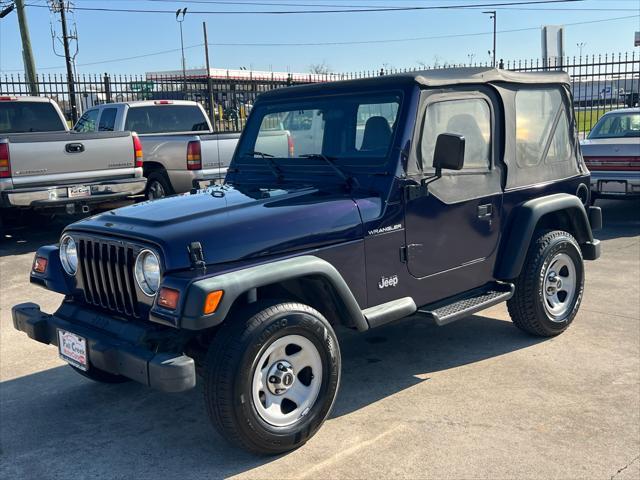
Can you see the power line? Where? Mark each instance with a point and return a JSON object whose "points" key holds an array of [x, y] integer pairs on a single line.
{"points": [[410, 39], [389, 7], [349, 10], [324, 44]]}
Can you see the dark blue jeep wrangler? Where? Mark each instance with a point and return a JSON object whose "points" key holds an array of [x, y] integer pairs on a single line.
{"points": [[432, 194]]}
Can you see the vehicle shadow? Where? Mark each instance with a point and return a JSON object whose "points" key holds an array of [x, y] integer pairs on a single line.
{"points": [[620, 218], [30, 231], [55, 418]]}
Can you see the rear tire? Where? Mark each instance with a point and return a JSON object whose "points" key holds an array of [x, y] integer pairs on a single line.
{"points": [[271, 378], [549, 289], [100, 376], [158, 186]]}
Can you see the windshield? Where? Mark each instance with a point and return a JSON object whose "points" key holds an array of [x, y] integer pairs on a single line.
{"points": [[355, 129], [166, 119], [617, 125]]}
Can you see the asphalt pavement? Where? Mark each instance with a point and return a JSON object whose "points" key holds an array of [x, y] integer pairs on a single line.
{"points": [[474, 399]]}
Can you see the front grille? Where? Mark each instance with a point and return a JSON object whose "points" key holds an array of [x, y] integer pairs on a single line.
{"points": [[106, 273]]}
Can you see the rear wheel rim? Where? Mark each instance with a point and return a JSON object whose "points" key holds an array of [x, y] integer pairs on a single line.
{"points": [[156, 190], [287, 380], [560, 287]]}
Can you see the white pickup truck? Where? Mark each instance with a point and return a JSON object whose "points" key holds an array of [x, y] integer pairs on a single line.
{"points": [[43, 165], [181, 150]]}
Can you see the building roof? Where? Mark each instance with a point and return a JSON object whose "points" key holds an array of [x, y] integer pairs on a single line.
{"points": [[438, 78]]}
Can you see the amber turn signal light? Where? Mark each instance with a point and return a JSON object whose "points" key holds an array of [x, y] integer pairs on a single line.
{"points": [[168, 298], [212, 301], [40, 265]]}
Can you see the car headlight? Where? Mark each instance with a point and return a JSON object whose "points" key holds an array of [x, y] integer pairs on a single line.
{"points": [[69, 254], [147, 272]]}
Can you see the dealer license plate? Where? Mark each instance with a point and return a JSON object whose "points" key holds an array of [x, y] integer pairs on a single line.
{"points": [[613, 187], [79, 191], [73, 349]]}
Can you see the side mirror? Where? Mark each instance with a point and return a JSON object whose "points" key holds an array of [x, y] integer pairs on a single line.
{"points": [[449, 152]]}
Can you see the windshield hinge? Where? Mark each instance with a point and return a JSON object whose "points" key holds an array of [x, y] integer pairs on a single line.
{"points": [[197, 256]]}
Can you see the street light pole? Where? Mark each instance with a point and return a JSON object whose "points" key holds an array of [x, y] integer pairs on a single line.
{"points": [[180, 14], [493, 15], [580, 46]]}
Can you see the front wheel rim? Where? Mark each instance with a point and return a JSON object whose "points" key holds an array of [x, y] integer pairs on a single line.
{"points": [[559, 287], [287, 380]]}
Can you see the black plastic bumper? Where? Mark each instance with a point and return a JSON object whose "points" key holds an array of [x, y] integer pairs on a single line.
{"points": [[168, 372]]}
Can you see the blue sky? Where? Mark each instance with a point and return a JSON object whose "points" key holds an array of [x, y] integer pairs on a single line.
{"points": [[113, 35]]}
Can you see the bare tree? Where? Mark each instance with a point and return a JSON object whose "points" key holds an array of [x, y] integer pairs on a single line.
{"points": [[320, 68]]}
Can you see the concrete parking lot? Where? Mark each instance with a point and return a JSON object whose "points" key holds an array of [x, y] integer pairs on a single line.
{"points": [[474, 399]]}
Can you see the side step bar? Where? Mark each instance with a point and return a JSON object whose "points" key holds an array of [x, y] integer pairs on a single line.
{"points": [[455, 308]]}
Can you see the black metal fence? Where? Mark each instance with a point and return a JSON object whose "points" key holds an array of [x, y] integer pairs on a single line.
{"points": [[599, 82]]}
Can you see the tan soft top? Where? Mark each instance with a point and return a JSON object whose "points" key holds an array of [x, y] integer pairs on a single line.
{"points": [[429, 78]]}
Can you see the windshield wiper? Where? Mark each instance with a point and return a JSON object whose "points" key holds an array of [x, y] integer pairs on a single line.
{"points": [[349, 179], [267, 157]]}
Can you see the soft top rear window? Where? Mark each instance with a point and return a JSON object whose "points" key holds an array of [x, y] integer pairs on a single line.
{"points": [[21, 117], [165, 119]]}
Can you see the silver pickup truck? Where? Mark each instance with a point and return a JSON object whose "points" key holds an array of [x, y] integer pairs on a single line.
{"points": [[43, 165], [181, 150]]}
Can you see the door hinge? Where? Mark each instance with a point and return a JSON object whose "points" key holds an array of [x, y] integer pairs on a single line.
{"points": [[407, 252]]}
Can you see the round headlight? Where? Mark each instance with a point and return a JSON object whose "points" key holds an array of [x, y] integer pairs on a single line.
{"points": [[68, 254], [147, 271]]}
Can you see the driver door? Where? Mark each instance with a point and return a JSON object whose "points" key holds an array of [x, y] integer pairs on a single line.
{"points": [[453, 228]]}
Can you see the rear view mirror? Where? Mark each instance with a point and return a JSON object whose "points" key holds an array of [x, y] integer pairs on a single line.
{"points": [[449, 152]]}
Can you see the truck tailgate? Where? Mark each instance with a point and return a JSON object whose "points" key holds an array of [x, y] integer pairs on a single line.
{"points": [[67, 157]]}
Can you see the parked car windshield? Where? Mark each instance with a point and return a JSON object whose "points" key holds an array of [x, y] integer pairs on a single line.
{"points": [[165, 119], [617, 125], [21, 117], [356, 128]]}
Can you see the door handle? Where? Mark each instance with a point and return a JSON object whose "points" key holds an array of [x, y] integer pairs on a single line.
{"points": [[485, 211], [74, 148]]}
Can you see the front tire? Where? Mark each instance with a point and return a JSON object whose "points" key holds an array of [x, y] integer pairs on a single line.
{"points": [[549, 289], [271, 377]]}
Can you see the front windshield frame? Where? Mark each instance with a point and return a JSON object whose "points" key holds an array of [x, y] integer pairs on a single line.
{"points": [[247, 142], [595, 134]]}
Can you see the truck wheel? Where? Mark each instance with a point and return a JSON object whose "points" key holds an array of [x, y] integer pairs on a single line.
{"points": [[272, 374], [100, 376], [549, 289], [158, 186]]}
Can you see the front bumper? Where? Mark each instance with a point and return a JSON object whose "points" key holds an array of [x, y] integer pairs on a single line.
{"points": [[56, 196], [111, 345], [615, 184]]}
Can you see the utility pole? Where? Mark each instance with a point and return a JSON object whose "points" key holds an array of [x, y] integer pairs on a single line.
{"points": [[493, 15], [70, 80], [209, 84], [182, 12], [29, 64]]}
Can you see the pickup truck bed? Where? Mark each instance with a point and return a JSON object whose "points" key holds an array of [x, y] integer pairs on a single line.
{"points": [[58, 168]]}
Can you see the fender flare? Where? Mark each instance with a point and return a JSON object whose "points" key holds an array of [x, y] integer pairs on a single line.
{"points": [[525, 220], [239, 282]]}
